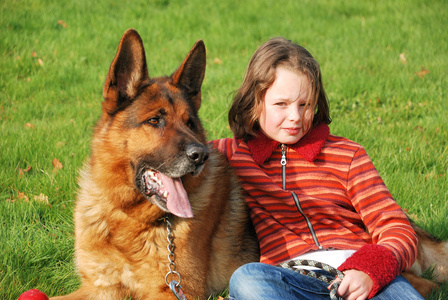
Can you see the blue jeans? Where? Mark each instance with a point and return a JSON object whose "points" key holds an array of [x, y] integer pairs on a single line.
{"points": [[262, 281]]}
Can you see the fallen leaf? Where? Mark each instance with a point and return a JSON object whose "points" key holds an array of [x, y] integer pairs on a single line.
{"points": [[403, 59], [42, 199], [34, 54], [22, 196], [419, 128], [422, 73], [40, 62], [29, 125], [62, 23], [23, 171], [217, 61], [57, 165]]}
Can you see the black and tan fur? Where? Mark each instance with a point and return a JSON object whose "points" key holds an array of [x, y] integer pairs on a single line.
{"points": [[121, 239]]}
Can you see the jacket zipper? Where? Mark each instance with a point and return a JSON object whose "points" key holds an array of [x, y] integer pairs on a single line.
{"points": [[296, 199]]}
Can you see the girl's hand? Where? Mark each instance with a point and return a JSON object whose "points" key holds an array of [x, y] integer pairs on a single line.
{"points": [[356, 285]]}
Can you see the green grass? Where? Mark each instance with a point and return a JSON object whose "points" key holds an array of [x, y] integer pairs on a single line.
{"points": [[51, 78]]}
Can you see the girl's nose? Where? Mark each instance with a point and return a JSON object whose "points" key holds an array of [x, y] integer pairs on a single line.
{"points": [[294, 114]]}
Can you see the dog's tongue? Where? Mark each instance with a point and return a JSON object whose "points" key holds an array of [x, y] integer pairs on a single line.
{"points": [[177, 199]]}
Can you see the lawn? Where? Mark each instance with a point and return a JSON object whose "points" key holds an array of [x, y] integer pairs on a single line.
{"points": [[384, 67]]}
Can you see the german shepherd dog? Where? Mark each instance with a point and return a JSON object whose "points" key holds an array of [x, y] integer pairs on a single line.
{"points": [[150, 160], [156, 205]]}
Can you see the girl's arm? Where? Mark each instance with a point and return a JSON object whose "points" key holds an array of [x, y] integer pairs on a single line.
{"points": [[394, 247]]}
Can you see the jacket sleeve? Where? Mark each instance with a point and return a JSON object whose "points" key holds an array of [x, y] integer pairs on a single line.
{"points": [[377, 262], [391, 232], [226, 146]]}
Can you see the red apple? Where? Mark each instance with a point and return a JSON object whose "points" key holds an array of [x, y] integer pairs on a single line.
{"points": [[33, 294]]}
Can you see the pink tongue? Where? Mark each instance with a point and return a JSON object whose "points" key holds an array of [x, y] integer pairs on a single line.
{"points": [[177, 200]]}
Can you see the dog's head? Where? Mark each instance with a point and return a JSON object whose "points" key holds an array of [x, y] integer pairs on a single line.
{"points": [[151, 124]]}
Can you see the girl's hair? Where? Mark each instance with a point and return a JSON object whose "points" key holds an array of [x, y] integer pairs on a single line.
{"points": [[260, 75]]}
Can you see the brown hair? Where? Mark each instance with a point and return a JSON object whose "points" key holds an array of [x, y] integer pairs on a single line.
{"points": [[260, 75]]}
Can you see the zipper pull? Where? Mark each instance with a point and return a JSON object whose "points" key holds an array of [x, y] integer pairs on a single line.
{"points": [[283, 161]]}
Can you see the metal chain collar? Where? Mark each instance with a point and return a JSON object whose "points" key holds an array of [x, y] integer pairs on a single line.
{"points": [[174, 285]]}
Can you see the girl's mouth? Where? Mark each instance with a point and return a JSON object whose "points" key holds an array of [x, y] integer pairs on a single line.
{"points": [[292, 130]]}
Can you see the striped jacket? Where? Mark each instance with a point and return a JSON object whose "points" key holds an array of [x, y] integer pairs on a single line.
{"points": [[342, 203]]}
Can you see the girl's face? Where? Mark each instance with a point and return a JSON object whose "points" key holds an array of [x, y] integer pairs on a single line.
{"points": [[285, 117]]}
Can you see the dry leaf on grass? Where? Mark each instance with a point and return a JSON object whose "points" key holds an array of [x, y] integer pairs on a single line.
{"points": [[217, 61], [22, 196], [23, 171], [422, 73], [57, 165], [62, 23], [403, 59], [41, 198]]}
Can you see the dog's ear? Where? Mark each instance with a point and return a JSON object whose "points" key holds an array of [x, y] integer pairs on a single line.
{"points": [[190, 74], [126, 74]]}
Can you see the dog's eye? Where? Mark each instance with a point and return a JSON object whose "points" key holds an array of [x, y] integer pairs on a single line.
{"points": [[190, 124], [153, 121]]}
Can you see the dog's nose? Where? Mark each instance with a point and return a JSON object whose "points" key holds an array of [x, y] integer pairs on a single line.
{"points": [[197, 153]]}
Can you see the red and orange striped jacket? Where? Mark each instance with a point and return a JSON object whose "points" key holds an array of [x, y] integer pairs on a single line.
{"points": [[341, 194]]}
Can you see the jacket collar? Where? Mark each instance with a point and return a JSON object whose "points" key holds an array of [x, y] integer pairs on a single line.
{"points": [[309, 146]]}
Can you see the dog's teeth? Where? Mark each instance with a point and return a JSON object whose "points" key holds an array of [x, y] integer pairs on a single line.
{"points": [[165, 194]]}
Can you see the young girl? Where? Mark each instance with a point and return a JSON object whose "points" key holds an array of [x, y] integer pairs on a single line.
{"points": [[311, 194]]}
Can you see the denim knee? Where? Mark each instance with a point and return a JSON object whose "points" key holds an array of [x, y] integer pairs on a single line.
{"points": [[399, 288], [246, 280], [244, 276], [262, 281]]}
